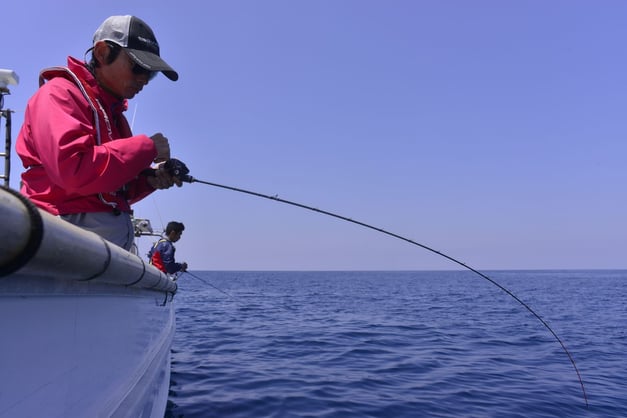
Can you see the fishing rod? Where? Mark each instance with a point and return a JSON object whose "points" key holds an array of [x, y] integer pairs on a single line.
{"points": [[208, 284], [178, 169]]}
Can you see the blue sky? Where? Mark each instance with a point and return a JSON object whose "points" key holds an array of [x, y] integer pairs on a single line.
{"points": [[492, 131]]}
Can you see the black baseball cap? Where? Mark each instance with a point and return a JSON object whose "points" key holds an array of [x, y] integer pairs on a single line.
{"points": [[138, 40]]}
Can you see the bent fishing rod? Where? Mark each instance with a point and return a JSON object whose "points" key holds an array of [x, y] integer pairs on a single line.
{"points": [[179, 170]]}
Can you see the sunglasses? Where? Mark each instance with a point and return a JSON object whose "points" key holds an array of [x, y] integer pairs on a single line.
{"points": [[139, 70]]}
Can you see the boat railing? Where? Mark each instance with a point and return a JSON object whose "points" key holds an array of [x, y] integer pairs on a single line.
{"points": [[36, 243]]}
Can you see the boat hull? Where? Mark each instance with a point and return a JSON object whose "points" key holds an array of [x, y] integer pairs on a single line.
{"points": [[86, 326], [87, 350]]}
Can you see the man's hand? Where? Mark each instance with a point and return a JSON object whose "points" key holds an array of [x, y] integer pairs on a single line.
{"points": [[183, 266], [163, 179], [163, 147]]}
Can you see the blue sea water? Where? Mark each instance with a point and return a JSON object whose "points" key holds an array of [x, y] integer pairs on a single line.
{"points": [[399, 344]]}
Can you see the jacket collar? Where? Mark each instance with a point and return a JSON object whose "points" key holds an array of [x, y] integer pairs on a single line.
{"points": [[109, 101]]}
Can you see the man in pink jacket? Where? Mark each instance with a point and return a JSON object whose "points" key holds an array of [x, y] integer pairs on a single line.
{"points": [[82, 161]]}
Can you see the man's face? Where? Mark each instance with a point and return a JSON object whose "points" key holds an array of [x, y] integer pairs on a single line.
{"points": [[175, 235], [123, 77]]}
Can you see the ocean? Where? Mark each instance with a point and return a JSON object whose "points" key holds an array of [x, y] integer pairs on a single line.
{"points": [[399, 344]]}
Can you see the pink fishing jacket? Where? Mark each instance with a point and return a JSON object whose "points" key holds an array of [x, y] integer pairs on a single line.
{"points": [[77, 147]]}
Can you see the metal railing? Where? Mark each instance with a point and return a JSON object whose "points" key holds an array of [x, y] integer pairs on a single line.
{"points": [[6, 114], [7, 77]]}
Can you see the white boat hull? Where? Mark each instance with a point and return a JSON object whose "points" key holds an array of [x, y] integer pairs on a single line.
{"points": [[87, 336]]}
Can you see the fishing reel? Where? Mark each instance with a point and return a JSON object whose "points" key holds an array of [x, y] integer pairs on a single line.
{"points": [[175, 168]]}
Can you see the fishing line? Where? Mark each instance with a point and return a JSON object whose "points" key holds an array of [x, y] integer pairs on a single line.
{"points": [[207, 283], [187, 178], [134, 114], [154, 202], [132, 124]]}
